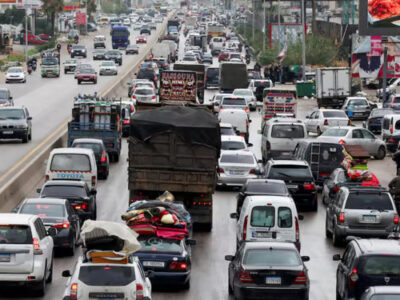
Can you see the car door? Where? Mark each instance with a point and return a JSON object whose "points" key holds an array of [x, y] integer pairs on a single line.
{"points": [[356, 138], [370, 143], [308, 122], [235, 265], [343, 270]]}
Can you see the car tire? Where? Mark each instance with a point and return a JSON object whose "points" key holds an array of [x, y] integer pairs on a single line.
{"points": [[25, 138], [314, 205], [65, 71], [79, 82], [30, 135], [319, 132], [116, 157], [95, 82], [50, 278], [381, 153], [230, 290], [336, 239]]}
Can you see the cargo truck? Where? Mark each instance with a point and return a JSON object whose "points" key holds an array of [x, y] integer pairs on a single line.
{"points": [[332, 86], [175, 149], [232, 76]]}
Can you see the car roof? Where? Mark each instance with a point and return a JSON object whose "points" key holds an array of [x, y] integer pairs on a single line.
{"points": [[12, 107], [285, 121], [233, 138], [65, 182], [378, 246], [93, 141], [71, 151], [237, 152], [262, 180], [270, 245], [385, 289], [7, 218], [288, 162], [357, 97], [45, 200]]}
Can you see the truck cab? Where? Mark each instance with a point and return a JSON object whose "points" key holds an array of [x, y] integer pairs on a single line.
{"points": [[50, 67]]}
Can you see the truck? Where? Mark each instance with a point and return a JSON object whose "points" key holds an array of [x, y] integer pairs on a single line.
{"points": [[119, 36], [50, 67], [175, 149], [333, 85], [215, 30], [200, 71], [94, 117], [279, 102], [173, 27], [162, 50], [232, 76], [178, 86]]}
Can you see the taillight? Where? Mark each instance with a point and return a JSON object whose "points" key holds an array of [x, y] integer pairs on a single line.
{"points": [[47, 177], [220, 170], [36, 247], [342, 142], [391, 140], [301, 278], [64, 225], [326, 122], [133, 96], [396, 219], [155, 79], [336, 189], [353, 278], [309, 186], [126, 122], [178, 266], [341, 217], [245, 277], [153, 97], [246, 109], [245, 228], [268, 146], [391, 129], [103, 158], [93, 181], [139, 291], [73, 295], [252, 171]]}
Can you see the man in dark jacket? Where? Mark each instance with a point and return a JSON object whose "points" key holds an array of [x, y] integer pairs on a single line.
{"points": [[396, 158]]}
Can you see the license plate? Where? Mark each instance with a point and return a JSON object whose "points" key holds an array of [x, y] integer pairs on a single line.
{"points": [[273, 280], [332, 149], [262, 235], [8, 132], [285, 153], [369, 218], [235, 172], [158, 264], [358, 114], [292, 186], [5, 257], [86, 79]]}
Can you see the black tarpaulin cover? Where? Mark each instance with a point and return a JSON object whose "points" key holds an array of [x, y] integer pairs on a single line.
{"points": [[192, 125]]}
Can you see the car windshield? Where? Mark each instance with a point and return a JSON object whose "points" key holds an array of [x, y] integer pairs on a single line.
{"points": [[70, 162], [15, 234], [63, 191], [232, 145], [132, 47], [266, 187], [144, 92], [15, 70], [228, 101], [358, 102], [237, 159], [107, 275], [285, 172], [44, 210], [285, 131], [227, 131], [211, 72], [87, 71], [189, 58], [155, 244], [271, 257], [334, 114], [14, 114], [369, 201], [396, 100], [99, 51], [335, 132], [97, 148], [114, 53], [50, 61], [242, 92], [78, 47], [380, 265]]}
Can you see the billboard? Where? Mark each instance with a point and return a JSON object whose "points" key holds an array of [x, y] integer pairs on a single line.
{"points": [[80, 18], [178, 85], [379, 17], [285, 33]]}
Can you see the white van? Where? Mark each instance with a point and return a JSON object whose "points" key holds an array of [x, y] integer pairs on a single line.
{"points": [[72, 164], [238, 119], [268, 218], [391, 131]]}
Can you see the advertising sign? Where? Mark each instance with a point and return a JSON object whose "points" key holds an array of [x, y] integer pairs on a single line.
{"points": [[80, 18], [285, 33], [379, 17], [178, 85]]}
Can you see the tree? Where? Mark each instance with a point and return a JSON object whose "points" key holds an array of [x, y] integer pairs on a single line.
{"points": [[91, 8], [52, 8]]}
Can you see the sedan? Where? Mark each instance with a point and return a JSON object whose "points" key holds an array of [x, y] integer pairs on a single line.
{"points": [[248, 95], [357, 107], [114, 55], [322, 119], [108, 68], [381, 293], [141, 39], [374, 121], [132, 49], [168, 259], [268, 270], [80, 67], [87, 75], [216, 101], [99, 54], [144, 94], [235, 167], [56, 213], [15, 74], [132, 84], [356, 136]]}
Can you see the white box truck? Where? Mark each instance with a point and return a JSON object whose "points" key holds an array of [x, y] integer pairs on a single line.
{"points": [[332, 86]]}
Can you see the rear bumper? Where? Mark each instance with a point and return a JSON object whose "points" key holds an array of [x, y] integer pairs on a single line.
{"points": [[170, 278], [305, 199], [225, 180], [63, 239], [366, 232], [256, 292]]}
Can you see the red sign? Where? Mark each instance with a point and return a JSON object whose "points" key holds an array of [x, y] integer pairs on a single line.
{"points": [[80, 18], [70, 8]]}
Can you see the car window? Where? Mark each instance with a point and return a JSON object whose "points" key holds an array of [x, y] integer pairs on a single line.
{"points": [[15, 234], [287, 131], [155, 244], [63, 191], [347, 256], [396, 100], [43, 210], [144, 92], [232, 145], [70, 162], [41, 230], [285, 172], [386, 123], [357, 134], [271, 257], [384, 265], [335, 132], [284, 217], [397, 125], [263, 216], [227, 131], [270, 187], [13, 114], [97, 148], [368, 135], [369, 201], [385, 297], [358, 102], [226, 101], [334, 114], [108, 275]]}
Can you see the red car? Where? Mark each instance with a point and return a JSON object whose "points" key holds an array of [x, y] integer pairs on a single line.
{"points": [[223, 56], [45, 37], [87, 75], [34, 39], [141, 39]]}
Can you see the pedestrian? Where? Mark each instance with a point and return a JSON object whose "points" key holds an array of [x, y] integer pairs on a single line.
{"points": [[257, 67], [266, 72], [396, 159]]}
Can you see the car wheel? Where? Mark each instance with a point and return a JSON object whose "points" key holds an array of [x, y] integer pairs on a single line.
{"points": [[328, 234], [230, 290], [65, 71], [41, 286], [381, 153], [116, 157], [25, 138], [336, 239], [319, 132], [79, 82], [50, 278], [30, 135], [94, 215], [71, 250], [314, 205], [95, 82]]}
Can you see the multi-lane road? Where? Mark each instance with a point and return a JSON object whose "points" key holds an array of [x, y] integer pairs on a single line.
{"points": [[209, 269]]}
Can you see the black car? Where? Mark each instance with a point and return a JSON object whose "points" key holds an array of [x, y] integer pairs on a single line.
{"points": [[366, 263], [162, 63], [132, 49], [168, 259], [212, 77], [375, 119], [149, 74], [145, 29], [132, 84], [298, 178], [114, 55], [261, 187], [59, 214], [268, 270], [82, 199], [15, 123], [78, 50], [99, 54], [100, 152]]}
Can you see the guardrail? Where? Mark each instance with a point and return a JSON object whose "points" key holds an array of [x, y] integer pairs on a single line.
{"points": [[20, 184]]}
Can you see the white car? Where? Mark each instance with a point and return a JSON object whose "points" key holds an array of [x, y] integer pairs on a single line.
{"points": [[26, 252], [137, 26], [107, 280], [108, 68], [248, 95], [127, 22], [144, 94], [233, 142], [321, 119], [16, 74]]}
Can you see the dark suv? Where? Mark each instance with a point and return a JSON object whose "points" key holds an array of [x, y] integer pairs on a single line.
{"points": [[148, 74], [15, 123], [145, 29], [114, 55], [212, 77], [366, 263], [78, 50]]}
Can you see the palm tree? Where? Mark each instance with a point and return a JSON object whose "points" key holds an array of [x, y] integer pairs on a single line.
{"points": [[52, 8]]}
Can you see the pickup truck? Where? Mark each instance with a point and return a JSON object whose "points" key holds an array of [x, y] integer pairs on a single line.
{"points": [[70, 65], [50, 67]]}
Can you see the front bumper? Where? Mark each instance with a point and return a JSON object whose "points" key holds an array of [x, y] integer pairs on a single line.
{"points": [[15, 79], [13, 133], [109, 72], [358, 115]]}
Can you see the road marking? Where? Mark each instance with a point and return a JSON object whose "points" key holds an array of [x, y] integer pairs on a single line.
{"points": [[34, 150]]}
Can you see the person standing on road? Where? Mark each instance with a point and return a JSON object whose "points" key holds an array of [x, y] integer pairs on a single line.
{"points": [[396, 159]]}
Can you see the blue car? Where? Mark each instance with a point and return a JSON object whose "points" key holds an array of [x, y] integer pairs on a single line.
{"points": [[169, 259]]}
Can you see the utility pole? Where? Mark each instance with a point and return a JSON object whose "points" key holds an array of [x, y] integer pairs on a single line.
{"points": [[26, 34], [264, 26], [303, 44], [279, 24], [253, 21], [384, 84]]}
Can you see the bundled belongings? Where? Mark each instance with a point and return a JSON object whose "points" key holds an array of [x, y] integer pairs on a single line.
{"points": [[356, 163]]}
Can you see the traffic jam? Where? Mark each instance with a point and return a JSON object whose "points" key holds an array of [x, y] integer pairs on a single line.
{"points": [[205, 177]]}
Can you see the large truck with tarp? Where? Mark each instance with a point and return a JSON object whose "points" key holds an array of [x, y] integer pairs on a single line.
{"points": [[175, 149], [119, 36], [98, 118], [232, 76], [200, 71]]}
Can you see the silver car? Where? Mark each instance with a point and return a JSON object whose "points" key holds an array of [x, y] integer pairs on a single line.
{"points": [[320, 120], [360, 211], [381, 293], [248, 95], [236, 166], [144, 94], [349, 135]]}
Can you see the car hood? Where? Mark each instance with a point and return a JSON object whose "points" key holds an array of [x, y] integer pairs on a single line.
{"points": [[9, 122]]}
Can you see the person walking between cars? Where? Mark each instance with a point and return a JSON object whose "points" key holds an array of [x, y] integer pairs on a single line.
{"points": [[394, 189], [396, 159]]}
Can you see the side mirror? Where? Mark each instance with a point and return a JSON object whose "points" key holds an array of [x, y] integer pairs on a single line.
{"points": [[190, 242], [249, 145], [10, 98], [93, 192], [52, 232], [250, 121], [301, 217], [149, 274], [234, 216], [29, 118], [229, 257], [336, 257], [237, 132], [305, 258], [66, 273], [38, 191], [260, 161]]}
